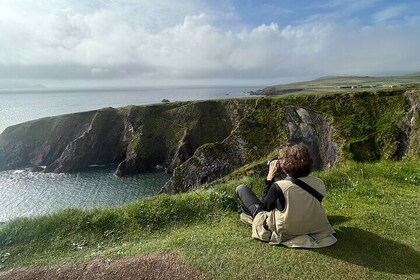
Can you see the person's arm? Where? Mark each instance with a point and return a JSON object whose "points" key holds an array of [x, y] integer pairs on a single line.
{"points": [[268, 184], [274, 198], [272, 195]]}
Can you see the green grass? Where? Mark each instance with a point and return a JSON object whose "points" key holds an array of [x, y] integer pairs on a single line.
{"points": [[373, 207], [332, 85]]}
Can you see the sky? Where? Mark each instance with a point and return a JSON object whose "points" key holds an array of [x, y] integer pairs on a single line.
{"points": [[204, 42]]}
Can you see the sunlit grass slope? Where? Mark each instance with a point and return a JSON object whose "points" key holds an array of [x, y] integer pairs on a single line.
{"points": [[337, 84], [373, 207]]}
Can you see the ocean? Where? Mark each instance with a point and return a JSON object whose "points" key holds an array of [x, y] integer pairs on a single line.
{"points": [[28, 194]]}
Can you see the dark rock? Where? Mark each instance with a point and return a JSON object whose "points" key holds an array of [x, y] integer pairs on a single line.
{"points": [[213, 161], [127, 167], [365, 150], [183, 153], [169, 136], [165, 100], [37, 169], [210, 162], [316, 132], [410, 146], [64, 143], [100, 144], [39, 142]]}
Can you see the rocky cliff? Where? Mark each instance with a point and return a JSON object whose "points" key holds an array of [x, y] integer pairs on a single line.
{"points": [[138, 138], [202, 141], [64, 143]]}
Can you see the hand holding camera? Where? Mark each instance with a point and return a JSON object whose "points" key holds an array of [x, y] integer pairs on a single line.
{"points": [[274, 169]]}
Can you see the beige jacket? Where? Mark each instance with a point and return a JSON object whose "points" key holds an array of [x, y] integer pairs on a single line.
{"points": [[302, 223]]}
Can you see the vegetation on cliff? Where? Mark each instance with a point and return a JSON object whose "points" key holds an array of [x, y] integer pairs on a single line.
{"points": [[359, 126], [203, 141]]}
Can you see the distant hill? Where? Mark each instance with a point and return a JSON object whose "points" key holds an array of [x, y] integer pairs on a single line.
{"points": [[417, 74], [339, 83], [12, 85]]}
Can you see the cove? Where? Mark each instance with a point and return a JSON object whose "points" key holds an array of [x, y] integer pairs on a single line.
{"points": [[28, 194]]}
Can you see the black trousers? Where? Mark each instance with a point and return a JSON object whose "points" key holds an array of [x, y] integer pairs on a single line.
{"points": [[252, 205]]}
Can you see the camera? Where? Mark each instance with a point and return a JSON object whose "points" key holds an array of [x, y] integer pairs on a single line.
{"points": [[277, 164], [279, 169]]}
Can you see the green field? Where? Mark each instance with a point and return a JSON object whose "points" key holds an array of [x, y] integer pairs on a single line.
{"points": [[373, 207], [345, 84]]}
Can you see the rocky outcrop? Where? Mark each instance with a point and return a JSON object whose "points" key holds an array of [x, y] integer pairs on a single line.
{"points": [[214, 161], [168, 134], [202, 141], [410, 130], [316, 132], [210, 162], [137, 137], [362, 127], [183, 152], [65, 143], [101, 143]]}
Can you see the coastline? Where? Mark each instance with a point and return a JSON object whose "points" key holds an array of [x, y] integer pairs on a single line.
{"points": [[192, 224], [135, 149], [21, 106]]}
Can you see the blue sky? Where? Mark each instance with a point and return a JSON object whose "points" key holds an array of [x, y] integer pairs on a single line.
{"points": [[337, 11], [146, 42]]}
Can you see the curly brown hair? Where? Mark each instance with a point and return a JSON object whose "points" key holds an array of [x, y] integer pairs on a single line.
{"points": [[295, 160]]}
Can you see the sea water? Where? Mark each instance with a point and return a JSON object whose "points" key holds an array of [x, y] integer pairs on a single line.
{"points": [[26, 194]]}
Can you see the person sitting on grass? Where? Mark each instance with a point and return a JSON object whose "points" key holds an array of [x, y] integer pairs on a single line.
{"points": [[290, 212]]}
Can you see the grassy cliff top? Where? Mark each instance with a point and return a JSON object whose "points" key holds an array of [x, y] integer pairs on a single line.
{"points": [[373, 207], [339, 84]]}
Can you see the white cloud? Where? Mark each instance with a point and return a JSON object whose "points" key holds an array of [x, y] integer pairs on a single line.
{"points": [[389, 14], [98, 71], [159, 40]]}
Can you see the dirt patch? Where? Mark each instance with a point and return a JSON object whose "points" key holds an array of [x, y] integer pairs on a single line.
{"points": [[152, 266]]}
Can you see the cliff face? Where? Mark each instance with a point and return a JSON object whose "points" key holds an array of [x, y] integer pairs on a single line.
{"points": [[100, 142], [138, 138], [316, 131], [168, 134], [409, 144], [64, 143], [203, 141]]}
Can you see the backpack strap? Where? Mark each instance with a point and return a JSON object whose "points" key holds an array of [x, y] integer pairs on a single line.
{"points": [[306, 187]]}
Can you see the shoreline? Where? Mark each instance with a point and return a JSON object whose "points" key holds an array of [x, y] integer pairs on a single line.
{"points": [[76, 101]]}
